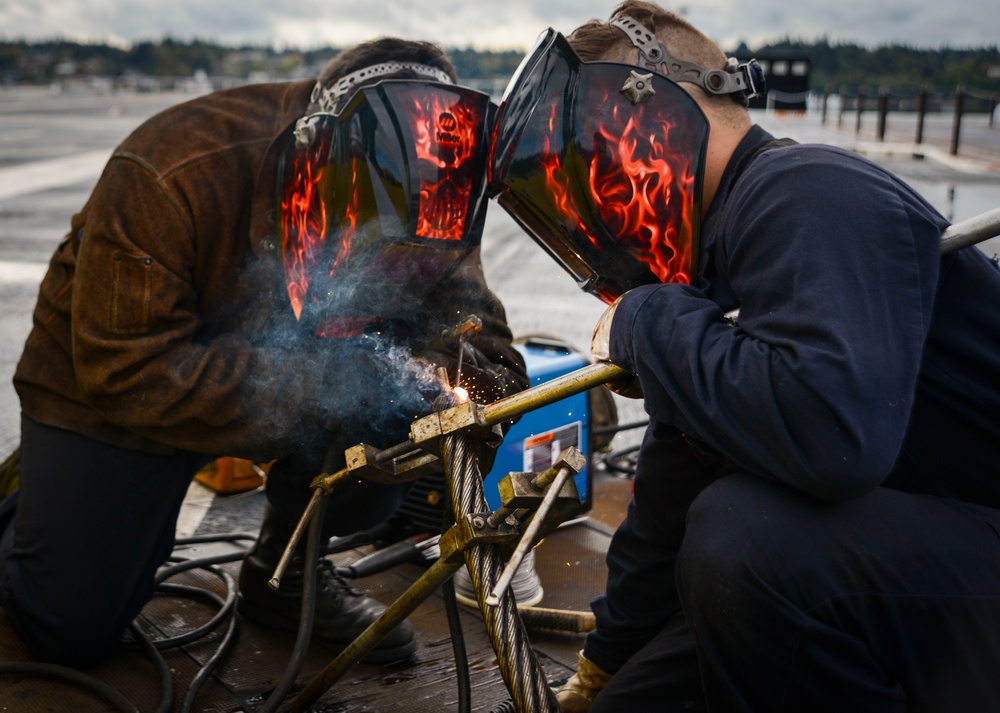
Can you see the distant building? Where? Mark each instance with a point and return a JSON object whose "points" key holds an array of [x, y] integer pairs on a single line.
{"points": [[787, 75]]}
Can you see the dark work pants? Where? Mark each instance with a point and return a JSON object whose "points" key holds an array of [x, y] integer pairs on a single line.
{"points": [[81, 541], [640, 609], [91, 524], [888, 602]]}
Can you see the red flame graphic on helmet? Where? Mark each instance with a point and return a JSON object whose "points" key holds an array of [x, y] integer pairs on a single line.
{"points": [[304, 223], [642, 186], [445, 134], [348, 226]]}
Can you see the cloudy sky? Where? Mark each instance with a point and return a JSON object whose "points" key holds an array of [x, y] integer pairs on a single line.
{"points": [[495, 24]]}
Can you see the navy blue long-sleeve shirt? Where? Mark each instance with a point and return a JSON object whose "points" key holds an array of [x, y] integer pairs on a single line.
{"points": [[861, 356]]}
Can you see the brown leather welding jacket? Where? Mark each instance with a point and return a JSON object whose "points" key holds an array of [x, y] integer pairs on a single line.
{"points": [[140, 330]]}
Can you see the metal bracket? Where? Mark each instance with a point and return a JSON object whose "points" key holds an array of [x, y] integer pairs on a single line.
{"points": [[468, 418], [363, 462], [471, 531]]}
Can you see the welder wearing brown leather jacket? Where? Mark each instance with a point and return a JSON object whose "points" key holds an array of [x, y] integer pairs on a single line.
{"points": [[165, 335]]}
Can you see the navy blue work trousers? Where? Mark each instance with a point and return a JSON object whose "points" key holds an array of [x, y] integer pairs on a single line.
{"points": [[729, 592], [81, 540]]}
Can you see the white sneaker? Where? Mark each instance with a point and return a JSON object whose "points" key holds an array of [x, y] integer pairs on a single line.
{"points": [[525, 585]]}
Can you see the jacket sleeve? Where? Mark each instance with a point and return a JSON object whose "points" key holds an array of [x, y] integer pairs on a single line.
{"points": [[139, 349], [834, 267]]}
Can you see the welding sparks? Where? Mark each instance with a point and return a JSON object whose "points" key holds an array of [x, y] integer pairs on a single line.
{"points": [[461, 393]]}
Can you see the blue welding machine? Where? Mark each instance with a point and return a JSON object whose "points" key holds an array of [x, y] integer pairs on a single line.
{"points": [[534, 443]]}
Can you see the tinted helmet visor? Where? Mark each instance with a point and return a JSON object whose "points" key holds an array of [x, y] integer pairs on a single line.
{"points": [[602, 164], [379, 203]]}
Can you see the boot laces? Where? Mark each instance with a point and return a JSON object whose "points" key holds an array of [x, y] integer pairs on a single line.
{"points": [[330, 583]]}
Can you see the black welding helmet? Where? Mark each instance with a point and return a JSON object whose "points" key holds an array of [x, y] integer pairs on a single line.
{"points": [[381, 201], [602, 164]]}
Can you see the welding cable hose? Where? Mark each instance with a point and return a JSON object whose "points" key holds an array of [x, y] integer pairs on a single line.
{"points": [[151, 648], [307, 615], [463, 678], [225, 646], [225, 606], [223, 613], [91, 683], [162, 669], [225, 609]]}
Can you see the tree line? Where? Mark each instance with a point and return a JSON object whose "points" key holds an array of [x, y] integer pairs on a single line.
{"points": [[905, 69], [834, 67]]}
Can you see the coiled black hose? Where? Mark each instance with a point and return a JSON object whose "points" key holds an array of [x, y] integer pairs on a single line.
{"points": [[152, 648]]}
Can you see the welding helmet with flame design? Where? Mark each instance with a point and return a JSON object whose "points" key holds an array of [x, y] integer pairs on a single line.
{"points": [[602, 164], [381, 201]]}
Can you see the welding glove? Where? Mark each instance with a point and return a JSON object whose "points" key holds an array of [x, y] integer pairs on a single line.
{"points": [[578, 693], [600, 350]]}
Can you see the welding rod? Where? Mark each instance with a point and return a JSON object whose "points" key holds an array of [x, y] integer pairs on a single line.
{"points": [[327, 482], [470, 327], [286, 556]]}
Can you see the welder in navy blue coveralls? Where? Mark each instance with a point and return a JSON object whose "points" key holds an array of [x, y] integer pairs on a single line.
{"points": [[816, 515]]}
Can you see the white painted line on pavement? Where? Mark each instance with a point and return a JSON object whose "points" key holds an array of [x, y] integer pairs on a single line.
{"points": [[197, 503], [13, 272], [51, 173]]}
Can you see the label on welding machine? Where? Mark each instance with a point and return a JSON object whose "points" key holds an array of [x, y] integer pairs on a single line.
{"points": [[534, 443], [542, 450]]}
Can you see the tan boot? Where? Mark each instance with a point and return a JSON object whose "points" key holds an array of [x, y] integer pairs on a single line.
{"points": [[578, 693]]}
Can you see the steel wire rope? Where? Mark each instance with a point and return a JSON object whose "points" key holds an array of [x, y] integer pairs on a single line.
{"points": [[519, 665]]}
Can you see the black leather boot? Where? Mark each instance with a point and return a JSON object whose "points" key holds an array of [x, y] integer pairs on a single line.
{"points": [[342, 612]]}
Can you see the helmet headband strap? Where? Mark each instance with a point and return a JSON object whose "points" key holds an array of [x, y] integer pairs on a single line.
{"points": [[327, 98], [743, 81]]}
